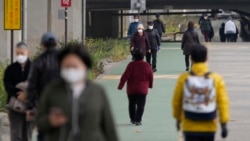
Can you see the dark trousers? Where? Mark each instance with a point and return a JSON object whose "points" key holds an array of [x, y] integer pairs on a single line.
{"points": [[20, 129], [136, 106], [199, 137], [230, 37], [152, 55], [187, 61], [206, 35]]}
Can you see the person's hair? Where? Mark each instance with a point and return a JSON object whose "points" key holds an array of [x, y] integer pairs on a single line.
{"points": [[190, 24], [51, 43], [199, 53], [157, 15], [76, 49], [223, 24], [137, 15], [138, 53], [21, 45]]}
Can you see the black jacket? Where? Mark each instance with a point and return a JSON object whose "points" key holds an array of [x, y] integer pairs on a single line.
{"points": [[44, 69], [13, 75], [154, 38], [158, 24]]}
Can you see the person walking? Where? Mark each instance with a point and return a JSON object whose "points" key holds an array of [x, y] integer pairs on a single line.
{"points": [[133, 26], [74, 108], [16, 73], [189, 39], [140, 40], [155, 43], [230, 30], [206, 27], [43, 70], [222, 33], [200, 98], [158, 24], [139, 78]]}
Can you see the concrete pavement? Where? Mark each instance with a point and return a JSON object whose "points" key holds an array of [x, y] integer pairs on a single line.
{"points": [[230, 60]]}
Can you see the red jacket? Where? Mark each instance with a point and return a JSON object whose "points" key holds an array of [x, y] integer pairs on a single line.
{"points": [[141, 42], [139, 78]]}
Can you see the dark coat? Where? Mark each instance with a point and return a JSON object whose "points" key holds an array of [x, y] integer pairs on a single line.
{"points": [[222, 34], [132, 29], [44, 69], [189, 39], [138, 76], [141, 42], [154, 38], [13, 75], [158, 24], [95, 119]]}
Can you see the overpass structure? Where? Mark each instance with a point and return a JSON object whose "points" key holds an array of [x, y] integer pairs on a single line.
{"points": [[101, 21]]}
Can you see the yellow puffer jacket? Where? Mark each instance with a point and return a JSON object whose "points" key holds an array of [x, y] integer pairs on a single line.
{"points": [[221, 99]]}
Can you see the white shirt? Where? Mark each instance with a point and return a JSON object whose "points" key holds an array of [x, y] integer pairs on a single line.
{"points": [[77, 90], [230, 27]]}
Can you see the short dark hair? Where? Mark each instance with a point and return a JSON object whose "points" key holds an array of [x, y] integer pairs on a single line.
{"points": [[21, 45], [190, 24], [158, 15], [199, 53], [138, 53], [137, 15], [76, 49]]}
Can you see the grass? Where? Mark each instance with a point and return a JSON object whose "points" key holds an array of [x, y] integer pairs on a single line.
{"points": [[99, 49]]}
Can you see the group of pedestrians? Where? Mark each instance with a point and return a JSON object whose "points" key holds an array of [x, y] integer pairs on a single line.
{"points": [[229, 31], [148, 40], [53, 94]]}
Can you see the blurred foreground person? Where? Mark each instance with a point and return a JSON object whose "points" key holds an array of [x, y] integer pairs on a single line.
{"points": [[15, 74], [189, 39], [139, 78], [200, 98], [74, 108], [140, 40], [155, 43], [222, 33], [44, 69]]}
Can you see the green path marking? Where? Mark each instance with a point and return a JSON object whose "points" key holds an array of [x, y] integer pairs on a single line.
{"points": [[157, 124]]}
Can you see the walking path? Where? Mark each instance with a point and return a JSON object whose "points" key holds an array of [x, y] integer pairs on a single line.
{"points": [[230, 60]]}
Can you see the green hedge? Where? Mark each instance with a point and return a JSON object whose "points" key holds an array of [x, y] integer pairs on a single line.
{"points": [[99, 49]]}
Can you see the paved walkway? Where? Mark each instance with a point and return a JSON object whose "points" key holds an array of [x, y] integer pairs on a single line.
{"points": [[231, 60]]}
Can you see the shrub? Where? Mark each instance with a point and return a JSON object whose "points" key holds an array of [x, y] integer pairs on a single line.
{"points": [[99, 49]]}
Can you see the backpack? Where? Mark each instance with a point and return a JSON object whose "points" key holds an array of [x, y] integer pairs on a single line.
{"points": [[199, 98]]}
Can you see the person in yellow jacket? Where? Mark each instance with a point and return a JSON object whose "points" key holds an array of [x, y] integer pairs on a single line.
{"points": [[194, 119]]}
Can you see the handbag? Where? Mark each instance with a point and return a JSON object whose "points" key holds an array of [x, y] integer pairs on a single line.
{"points": [[16, 105]]}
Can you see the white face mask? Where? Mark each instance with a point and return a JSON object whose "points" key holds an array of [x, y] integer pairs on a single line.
{"points": [[140, 30], [21, 59], [73, 75], [136, 20], [150, 27]]}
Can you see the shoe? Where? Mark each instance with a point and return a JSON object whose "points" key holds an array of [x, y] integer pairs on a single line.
{"points": [[132, 122], [138, 123], [154, 70], [187, 69]]}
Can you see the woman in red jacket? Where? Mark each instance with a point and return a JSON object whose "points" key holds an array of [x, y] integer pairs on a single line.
{"points": [[139, 77]]}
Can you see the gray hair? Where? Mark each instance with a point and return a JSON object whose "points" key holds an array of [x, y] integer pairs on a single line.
{"points": [[22, 45]]}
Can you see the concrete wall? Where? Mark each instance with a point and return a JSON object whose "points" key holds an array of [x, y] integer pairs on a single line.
{"points": [[37, 11]]}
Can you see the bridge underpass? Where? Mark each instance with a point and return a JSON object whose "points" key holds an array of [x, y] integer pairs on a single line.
{"points": [[110, 25]]}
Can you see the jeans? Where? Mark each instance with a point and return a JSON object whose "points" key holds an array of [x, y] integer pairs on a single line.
{"points": [[230, 37], [152, 55], [206, 35], [136, 106], [199, 136]]}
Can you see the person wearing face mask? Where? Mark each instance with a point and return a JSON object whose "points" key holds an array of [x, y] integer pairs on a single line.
{"points": [[44, 69], [206, 28], [133, 26], [140, 40], [14, 74], [158, 24], [74, 108], [155, 43]]}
